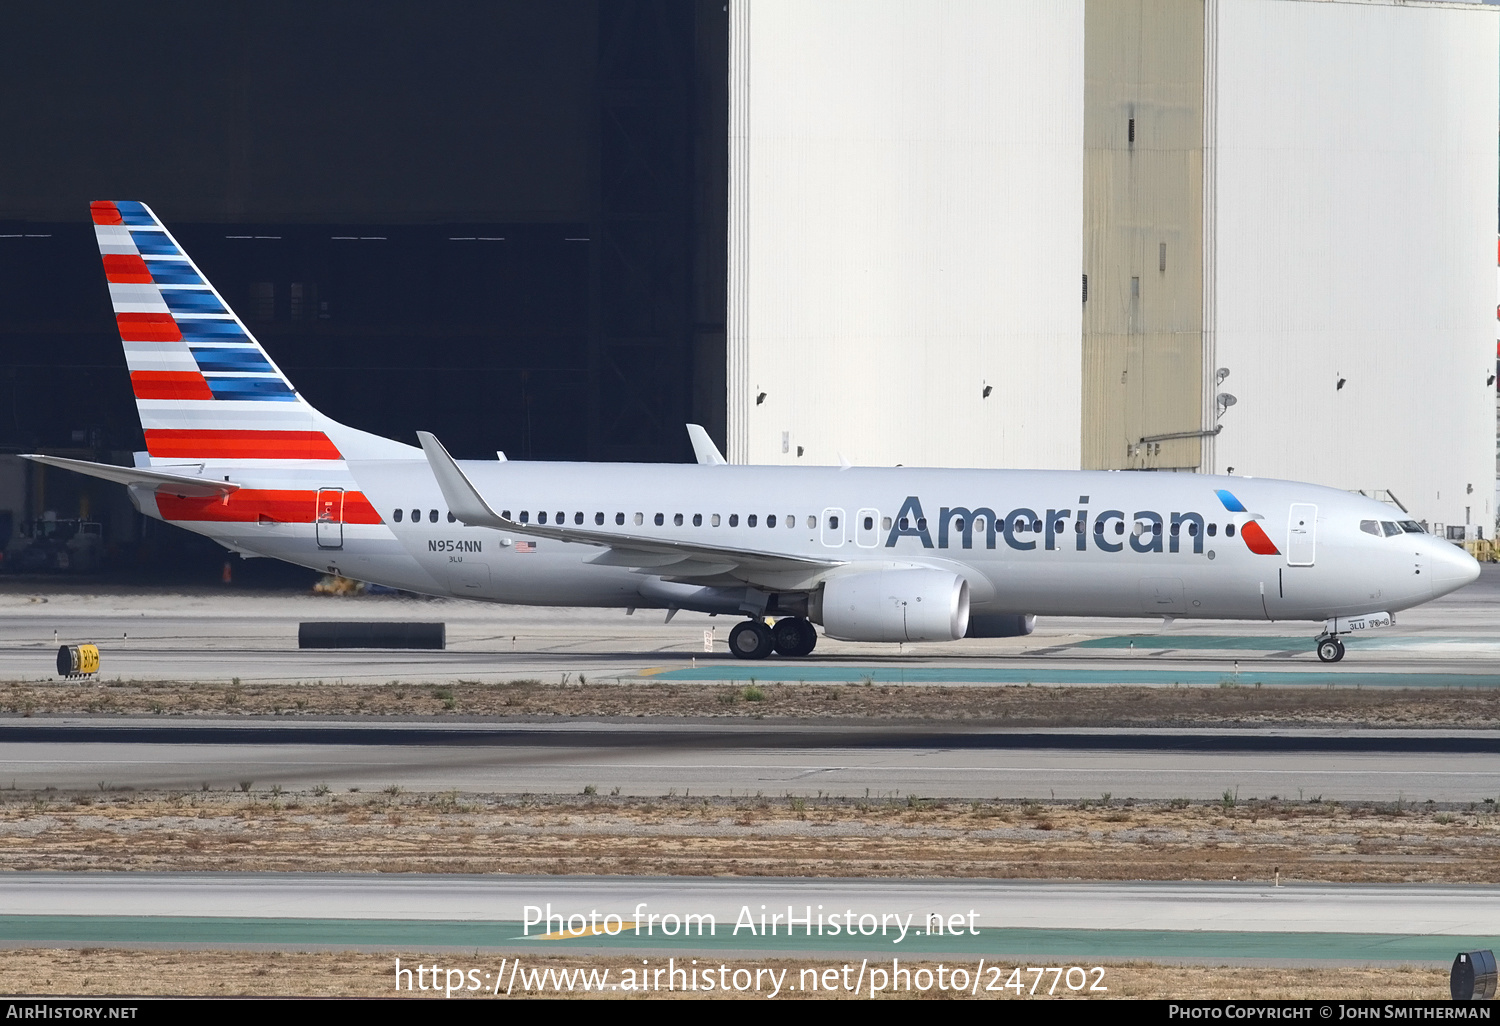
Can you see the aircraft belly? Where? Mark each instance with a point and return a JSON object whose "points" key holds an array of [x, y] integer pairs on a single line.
{"points": [[377, 560], [538, 577], [1155, 588]]}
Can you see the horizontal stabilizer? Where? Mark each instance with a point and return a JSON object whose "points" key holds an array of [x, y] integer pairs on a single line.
{"points": [[185, 485]]}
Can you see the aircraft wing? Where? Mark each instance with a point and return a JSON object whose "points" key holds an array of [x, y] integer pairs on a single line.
{"points": [[667, 557], [159, 481]]}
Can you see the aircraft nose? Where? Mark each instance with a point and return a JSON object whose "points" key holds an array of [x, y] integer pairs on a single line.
{"points": [[1451, 567]]}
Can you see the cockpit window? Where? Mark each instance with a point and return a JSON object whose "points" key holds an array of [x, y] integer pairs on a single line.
{"points": [[1370, 527], [1412, 527], [1391, 530]]}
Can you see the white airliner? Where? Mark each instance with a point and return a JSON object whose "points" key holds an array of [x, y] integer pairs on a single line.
{"points": [[871, 554]]}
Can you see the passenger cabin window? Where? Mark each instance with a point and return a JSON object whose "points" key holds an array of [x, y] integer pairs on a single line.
{"points": [[619, 519], [416, 515], [432, 516], [1228, 530], [451, 518], [869, 523], [505, 513], [1213, 529], [771, 520], [578, 518], [750, 520], [639, 519], [697, 519], [660, 519], [812, 523], [396, 516], [598, 519], [791, 520], [541, 517], [714, 520], [885, 523], [562, 518], [833, 523], [525, 516], [734, 520], [677, 520]]}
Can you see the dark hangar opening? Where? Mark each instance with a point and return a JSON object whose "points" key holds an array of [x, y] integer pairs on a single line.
{"points": [[502, 222]]}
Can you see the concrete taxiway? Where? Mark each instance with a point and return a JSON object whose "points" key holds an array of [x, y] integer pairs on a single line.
{"points": [[729, 758], [1245, 923], [223, 634]]}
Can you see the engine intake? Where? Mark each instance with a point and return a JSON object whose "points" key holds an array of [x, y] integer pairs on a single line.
{"points": [[896, 605]]}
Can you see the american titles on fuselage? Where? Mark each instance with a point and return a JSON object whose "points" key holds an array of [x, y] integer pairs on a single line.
{"points": [[1150, 531]]}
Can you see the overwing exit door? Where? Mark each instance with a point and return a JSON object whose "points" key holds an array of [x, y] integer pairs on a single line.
{"points": [[328, 518]]}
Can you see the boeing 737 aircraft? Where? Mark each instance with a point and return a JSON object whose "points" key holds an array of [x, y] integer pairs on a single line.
{"points": [[871, 554]]}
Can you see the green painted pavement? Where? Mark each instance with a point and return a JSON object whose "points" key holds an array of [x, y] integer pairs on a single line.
{"points": [[1267, 643], [413, 933], [1213, 641], [813, 673]]}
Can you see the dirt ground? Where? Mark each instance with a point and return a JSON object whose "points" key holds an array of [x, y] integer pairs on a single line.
{"points": [[99, 972], [1008, 705], [393, 832], [1301, 839]]}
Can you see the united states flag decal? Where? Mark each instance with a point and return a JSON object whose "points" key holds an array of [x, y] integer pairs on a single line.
{"points": [[525, 546]]}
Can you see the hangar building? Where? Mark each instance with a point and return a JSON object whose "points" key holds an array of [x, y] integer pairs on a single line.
{"points": [[978, 233], [1231, 236]]}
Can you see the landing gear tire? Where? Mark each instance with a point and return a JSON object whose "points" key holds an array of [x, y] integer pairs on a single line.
{"points": [[751, 640], [794, 636], [1330, 650]]}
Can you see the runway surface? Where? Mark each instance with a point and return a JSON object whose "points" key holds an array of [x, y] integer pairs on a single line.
{"points": [[222, 634], [1219, 923], [731, 758]]}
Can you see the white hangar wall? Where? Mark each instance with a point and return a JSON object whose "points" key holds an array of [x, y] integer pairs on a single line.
{"points": [[905, 228], [1352, 175]]}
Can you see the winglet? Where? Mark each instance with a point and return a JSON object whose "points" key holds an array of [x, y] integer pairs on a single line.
{"points": [[704, 448], [458, 491]]}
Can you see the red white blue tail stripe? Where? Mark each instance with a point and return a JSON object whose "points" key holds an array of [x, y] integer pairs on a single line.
{"points": [[203, 385]]}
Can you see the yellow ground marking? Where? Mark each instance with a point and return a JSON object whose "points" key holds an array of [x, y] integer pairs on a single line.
{"points": [[588, 931]]}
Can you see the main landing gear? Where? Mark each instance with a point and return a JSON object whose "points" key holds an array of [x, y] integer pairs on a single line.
{"points": [[789, 636], [1330, 648]]}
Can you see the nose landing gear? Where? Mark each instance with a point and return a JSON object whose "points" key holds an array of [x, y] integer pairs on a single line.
{"points": [[1330, 648], [791, 636]]}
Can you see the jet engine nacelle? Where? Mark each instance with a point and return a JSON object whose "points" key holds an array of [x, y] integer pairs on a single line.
{"points": [[896, 605], [1000, 625]]}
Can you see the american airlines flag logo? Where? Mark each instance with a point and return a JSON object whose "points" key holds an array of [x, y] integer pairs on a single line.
{"points": [[523, 546]]}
